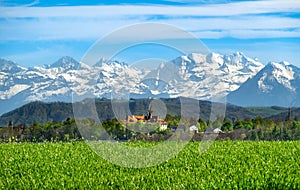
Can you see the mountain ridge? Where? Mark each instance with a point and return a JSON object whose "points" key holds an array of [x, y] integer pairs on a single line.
{"points": [[59, 111], [200, 76]]}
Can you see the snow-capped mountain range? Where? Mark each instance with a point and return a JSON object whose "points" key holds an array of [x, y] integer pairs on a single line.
{"points": [[196, 75]]}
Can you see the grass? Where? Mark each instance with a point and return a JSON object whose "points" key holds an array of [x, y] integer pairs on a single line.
{"points": [[225, 165]]}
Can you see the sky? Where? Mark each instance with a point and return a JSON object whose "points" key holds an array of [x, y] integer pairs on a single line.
{"points": [[39, 32]]}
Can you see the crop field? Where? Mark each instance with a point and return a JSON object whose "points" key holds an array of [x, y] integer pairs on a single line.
{"points": [[225, 165]]}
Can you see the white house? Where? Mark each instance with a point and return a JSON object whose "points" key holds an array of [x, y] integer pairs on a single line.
{"points": [[213, 131], [163, 126], [194, 129]]}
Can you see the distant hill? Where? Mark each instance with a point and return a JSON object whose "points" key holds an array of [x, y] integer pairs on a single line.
{"points": [[58, 111], [293, 113], [38, 112], [266, 112]]}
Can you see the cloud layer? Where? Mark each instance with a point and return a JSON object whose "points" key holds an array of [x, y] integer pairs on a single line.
{"points": [[246, 19]]}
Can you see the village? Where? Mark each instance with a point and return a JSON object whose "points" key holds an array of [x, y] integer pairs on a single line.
{"points": [[163, 125]]}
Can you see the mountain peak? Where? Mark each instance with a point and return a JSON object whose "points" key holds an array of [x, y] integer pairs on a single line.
{"points": [[240, 58], [282, 70], [103, 61], [281, 64], [238, 53], [9, 66], [66, 62], [276, 84]]}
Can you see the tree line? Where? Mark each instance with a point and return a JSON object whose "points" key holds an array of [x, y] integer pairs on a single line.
{"points": [[87, 129]]}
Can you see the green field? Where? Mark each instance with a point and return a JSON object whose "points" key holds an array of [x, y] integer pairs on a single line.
{"points": [[226, 165]]}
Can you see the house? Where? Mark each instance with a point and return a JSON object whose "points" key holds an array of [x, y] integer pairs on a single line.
{"points": [[163, 125], [213, 131], [193, 129], [149, 118]]}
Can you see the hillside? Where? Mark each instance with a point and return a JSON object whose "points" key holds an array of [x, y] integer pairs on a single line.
{"points": [[268, 111], [290, 113], [58, 111]]}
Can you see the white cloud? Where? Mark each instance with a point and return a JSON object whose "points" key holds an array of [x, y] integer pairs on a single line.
{"points": [[207, 21], [69, 28], [229, 9], [18, 3], [264, 33], [246, 34], [242, 22]]}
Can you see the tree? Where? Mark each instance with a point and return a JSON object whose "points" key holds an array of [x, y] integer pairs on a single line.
{"points": [[227, 125], [202, 125], [247, 124], [238, 124]]}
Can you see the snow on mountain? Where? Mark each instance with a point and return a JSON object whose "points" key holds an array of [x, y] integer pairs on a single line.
{"points": [[10, 67], [66, 63], [276, 84], [215, 74], [195, 75], [13, 90]]}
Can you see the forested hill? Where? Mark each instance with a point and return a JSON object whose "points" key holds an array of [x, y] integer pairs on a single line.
{"points": [[59, 111], [38, 112]]}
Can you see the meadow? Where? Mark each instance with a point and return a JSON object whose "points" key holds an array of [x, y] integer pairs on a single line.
{"points": [[225, 165]]}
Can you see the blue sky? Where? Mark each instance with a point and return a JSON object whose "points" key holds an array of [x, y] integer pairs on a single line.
{"points": [[40, 32]]}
